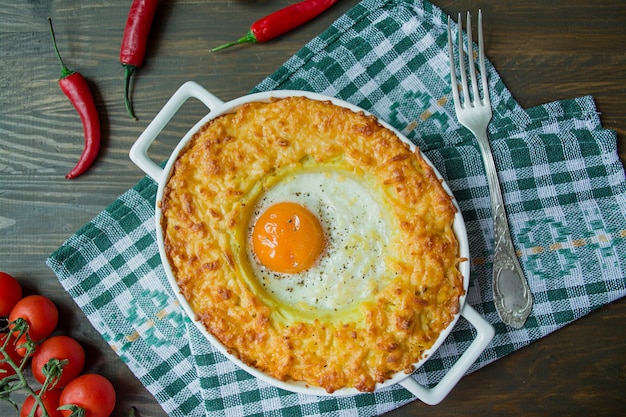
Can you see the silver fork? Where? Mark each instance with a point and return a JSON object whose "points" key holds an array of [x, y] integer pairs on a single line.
{"points": [[511, 293]]}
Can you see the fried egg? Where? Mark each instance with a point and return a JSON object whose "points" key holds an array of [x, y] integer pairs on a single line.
{"points": [[317, 241]]}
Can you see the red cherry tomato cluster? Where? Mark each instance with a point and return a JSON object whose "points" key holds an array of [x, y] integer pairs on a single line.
{"points": [[56, 361]]}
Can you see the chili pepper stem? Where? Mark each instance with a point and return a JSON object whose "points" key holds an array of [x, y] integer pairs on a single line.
{"points": [[128, 72], [65, 71], [244, 39]]}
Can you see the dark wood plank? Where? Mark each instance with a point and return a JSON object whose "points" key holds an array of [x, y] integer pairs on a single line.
{"points": [[545, 50]]}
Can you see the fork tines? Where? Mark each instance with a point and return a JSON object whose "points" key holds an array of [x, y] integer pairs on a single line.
{"points": [[475, 98]]}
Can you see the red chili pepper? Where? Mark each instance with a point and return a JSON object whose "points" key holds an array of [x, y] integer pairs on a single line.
{"points": [[282, 21], [135, 41], [75, 87]]}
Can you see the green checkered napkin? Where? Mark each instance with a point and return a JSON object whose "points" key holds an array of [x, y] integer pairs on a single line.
{"points": [[563, 186]]}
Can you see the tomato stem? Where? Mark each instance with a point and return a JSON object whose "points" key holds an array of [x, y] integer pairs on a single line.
{"points": [[75, 410], [19, 329], [18, 381], [53, 370]]}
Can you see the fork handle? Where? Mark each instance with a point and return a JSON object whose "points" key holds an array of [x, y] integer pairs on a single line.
{"points": [[511, 293]]}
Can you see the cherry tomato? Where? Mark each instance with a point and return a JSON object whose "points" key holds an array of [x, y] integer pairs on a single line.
{"points": [[11, 353], [61, 348], [39, 312], [91, 392], [50, 400], [11, 291]]}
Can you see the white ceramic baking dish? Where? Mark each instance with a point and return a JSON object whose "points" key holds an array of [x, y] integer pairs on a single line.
{"points": [[139, 155]]}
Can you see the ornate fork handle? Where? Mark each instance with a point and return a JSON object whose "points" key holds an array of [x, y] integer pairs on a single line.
{"points": [[512, 295]]}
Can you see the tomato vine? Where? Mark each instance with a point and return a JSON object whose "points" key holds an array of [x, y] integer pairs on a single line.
{"points": [[26, 327], [17, 381]]}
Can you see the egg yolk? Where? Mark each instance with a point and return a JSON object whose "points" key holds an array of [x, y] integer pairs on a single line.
{"points": [[287, 238]]}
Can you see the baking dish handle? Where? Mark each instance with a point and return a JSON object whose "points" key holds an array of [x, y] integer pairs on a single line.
{"points": [[139, 151], [435, 395]]}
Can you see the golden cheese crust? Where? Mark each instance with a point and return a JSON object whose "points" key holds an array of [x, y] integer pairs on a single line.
{"points": [[205, 218]]}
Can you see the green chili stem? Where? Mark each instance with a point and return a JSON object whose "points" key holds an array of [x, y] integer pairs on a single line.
{"points": [[244, 39], [128, 72], [65, 71]]}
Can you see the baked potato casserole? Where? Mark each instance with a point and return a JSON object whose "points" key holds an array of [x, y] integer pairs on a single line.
{"points": [[312, 242]]}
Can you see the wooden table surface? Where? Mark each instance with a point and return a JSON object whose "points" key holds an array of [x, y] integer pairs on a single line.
{"points": [[545, 50]]}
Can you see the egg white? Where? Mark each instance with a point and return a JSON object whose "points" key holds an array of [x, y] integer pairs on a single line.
{"points": [[357, 231]]}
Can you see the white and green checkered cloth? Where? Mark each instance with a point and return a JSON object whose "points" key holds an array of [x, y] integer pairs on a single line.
{"points": [[562, 180]]}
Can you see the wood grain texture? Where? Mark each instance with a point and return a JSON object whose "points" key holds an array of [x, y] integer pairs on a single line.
{"points": [[545, 50]]}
